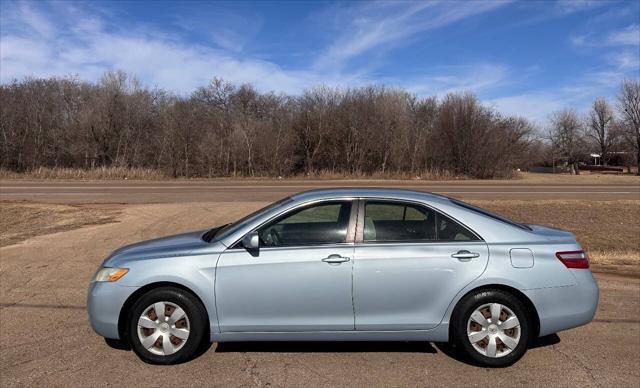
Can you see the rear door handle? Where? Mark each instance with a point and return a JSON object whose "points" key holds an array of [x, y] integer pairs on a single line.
{"points": [[465, 255], [335, 259]]}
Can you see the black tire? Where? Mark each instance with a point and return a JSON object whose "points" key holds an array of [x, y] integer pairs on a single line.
{"points": [[463, 312], [198, 325]]}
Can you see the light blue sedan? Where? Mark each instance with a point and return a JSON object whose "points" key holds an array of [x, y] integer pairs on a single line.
{"points": [[348, 265]]}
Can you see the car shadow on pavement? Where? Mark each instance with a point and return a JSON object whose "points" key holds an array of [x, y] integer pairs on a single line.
{"points": [[326, 347], [342, 347], [125, 346], [117, 344], [305, 347], [451, 351], [547, 340]]}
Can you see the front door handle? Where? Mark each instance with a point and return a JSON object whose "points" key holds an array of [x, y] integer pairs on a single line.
{"points": [[465, 255], [335, 259]]}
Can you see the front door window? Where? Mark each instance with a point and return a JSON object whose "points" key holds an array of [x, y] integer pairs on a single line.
{"points": [[321, 224]]}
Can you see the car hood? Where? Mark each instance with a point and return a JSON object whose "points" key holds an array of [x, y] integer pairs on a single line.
{"points": [[176, 245]]}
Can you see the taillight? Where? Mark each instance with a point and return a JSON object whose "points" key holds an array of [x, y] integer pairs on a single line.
{"points": [[574, 259]]}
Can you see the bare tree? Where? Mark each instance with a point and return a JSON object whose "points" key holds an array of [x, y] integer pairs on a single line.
{"points": [[216, 115], [317, 111], [471, 139], [424, 114], [222, 130], [600, 127], [629, 109], [566, 137]]}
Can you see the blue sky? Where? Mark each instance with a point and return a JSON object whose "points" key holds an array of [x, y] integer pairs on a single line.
{"points": [[526, 58]]}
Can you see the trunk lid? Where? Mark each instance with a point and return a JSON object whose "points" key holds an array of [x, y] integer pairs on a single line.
{"points": [[553, 234]]}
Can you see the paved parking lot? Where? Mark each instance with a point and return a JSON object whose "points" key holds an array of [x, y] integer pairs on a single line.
{"points": [[45, 338]]}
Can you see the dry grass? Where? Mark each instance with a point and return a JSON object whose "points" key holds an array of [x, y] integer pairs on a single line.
{"points": [[102, 173], [21, 221], [429, 175], [118, 173], [107, 173], [608, 230], [585, 178]]}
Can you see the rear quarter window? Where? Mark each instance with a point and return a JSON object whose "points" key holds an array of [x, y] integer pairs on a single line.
{"points": [[490, 214]]}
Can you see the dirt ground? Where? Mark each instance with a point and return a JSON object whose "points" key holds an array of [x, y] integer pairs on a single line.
{"points": [[21, 221], [45, 338]]}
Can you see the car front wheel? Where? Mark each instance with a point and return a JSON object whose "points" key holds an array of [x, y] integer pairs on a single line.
{"points": [[492, 328], [167, 326]]}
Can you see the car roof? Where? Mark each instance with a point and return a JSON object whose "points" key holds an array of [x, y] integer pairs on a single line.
{"points": [[369, 192]]}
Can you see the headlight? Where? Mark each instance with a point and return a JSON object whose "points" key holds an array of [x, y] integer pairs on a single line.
{"points": [[109, 274]]}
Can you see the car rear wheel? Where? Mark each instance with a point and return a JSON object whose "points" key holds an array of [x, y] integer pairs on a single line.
{"points": [[167, 326], [492, 328]]}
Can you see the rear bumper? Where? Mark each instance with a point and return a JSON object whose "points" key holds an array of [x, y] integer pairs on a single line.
{"points": [[562, 308], [104, 303]]}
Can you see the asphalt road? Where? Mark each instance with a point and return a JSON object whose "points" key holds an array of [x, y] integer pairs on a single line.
{"points": [[240, 191], [45, 338]]}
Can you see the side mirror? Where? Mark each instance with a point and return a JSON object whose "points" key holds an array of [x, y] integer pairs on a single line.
{"points": [[251, 241]]}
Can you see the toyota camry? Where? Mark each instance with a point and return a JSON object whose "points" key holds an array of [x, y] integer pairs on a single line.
{"points": [[348, 265]]}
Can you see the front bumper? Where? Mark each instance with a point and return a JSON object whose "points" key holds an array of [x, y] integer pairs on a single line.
{"points": [[104, 303], [562, 308]]}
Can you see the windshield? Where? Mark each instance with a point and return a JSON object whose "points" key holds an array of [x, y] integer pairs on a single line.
{"points": [[232, 227]]}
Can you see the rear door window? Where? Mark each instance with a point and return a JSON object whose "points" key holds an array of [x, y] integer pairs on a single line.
{"points": [[386, 221], [390, 221]]}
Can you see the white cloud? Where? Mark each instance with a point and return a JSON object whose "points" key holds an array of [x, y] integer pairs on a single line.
{"points": [[626, 60], [534, 106], [60, 39], [579, 40], [477, 78], [621, 47], [629, 36], [36, 21], [567, 7], [537, 105], [73, 41], [25, 51], [370, 26], [231, 30], [86, 45]]}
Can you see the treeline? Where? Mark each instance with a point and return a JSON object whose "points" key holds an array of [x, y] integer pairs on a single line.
{"points": [[227, 130], [611, 131]]}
